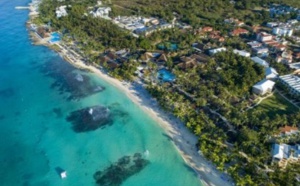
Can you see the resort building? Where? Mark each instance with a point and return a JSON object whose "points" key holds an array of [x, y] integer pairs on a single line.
{"points": [[200, 58], [61, 11], [146, 57], [200, 47], [260, 61], [271, 73], [34, 7], [272, 24], [216, 35], [141, 25], [187, 62], [162, 59], [230, 20], [207, 29], [279, 47], [283, 153], [216, 50], [165, 26], [277, 10], [295, 66], [286, 57], [292, 82], [282, 31], [43, 32], [263, 87], [280, 151], [261, 51], [239, 31], [288, 130], [242, 53], [129, 23], [102, 12], [263, 36], [292, 21], [254, 44]]}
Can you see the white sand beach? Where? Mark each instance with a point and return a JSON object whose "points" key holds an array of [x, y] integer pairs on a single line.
{"points": [[183, 139]]}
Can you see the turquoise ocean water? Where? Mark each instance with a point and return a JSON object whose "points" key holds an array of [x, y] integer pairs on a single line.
{"points": [[38, 91]]}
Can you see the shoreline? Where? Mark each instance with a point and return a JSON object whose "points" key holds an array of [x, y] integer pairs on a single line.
{"points": [[183, 140]]}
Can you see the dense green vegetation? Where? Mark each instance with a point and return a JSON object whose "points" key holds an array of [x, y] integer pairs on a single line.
{"points": [[199, 12], [90, 32], [227, 92], [211, 99]]}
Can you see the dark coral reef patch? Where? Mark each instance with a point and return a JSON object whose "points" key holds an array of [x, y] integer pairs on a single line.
{"points": [[90, 118], [118, 172], [69, 80]]}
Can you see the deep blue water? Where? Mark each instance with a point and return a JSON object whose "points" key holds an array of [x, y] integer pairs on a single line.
{"points": [[40, 95]]}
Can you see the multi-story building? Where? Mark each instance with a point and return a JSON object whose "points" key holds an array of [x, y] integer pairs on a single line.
{"points": [[292, 82], [283, 31], [263, 36]]}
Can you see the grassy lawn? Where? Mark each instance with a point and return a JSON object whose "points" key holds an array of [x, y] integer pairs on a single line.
{"points": [[276, 104]]}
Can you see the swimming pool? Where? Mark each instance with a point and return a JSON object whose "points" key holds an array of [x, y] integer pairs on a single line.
{"points": [[55, 37], [168, 45], [173, 47], [166, 75]]}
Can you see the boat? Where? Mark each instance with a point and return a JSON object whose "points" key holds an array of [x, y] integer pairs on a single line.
{"points": [[79, 77], [63, 175], [22, 7], [146, 153]]}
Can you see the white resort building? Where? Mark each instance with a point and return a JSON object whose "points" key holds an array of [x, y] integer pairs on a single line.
{"points": [[260, 61], [263, 36], [263, 87], [216, 50], [271, 73], [283, 31], [242, 53], [283, 153], [141, 25], [61, 11], [101, 12]]}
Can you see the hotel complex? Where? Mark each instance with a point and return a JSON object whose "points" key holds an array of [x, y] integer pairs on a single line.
{"points": [[292, 82]]}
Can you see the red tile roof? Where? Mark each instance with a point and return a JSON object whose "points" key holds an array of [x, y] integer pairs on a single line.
{"points": [[207, 29], [287, 129], [238, 31], [281, 46]]}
